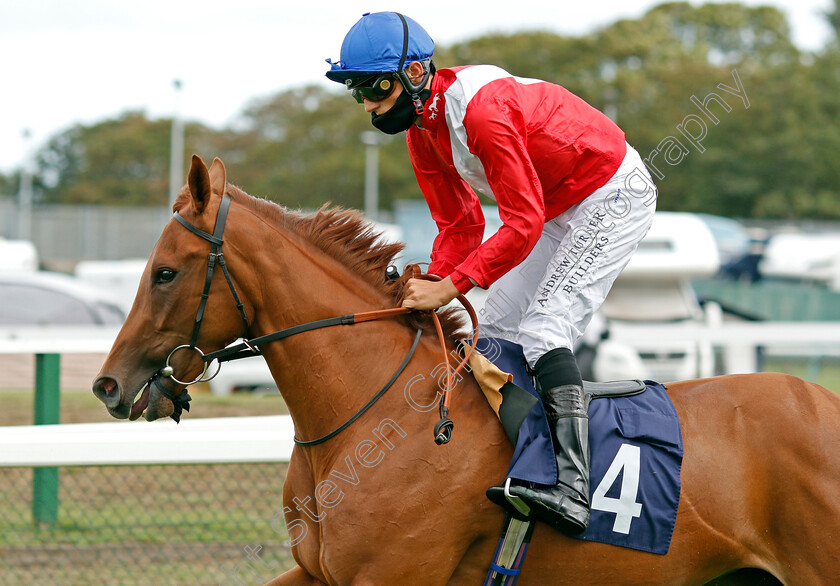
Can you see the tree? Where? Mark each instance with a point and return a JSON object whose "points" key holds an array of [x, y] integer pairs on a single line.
{"points": [[303, 147], [833, 17], [7, 184], [772, 157], [123, 161]]}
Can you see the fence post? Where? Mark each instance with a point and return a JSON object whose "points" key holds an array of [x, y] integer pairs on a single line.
{"points": [[47, 411]]}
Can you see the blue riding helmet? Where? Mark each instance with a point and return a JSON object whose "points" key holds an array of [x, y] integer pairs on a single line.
{"points": [[380, 42]]}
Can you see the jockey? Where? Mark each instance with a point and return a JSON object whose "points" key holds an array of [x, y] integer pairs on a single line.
{"points": [[574, 197]]}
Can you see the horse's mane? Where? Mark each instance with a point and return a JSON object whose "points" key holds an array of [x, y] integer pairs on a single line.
{"points": [[347, 236]]}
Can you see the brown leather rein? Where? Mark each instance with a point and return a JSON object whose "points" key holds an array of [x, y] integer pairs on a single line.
{"points": [[250, 347]]}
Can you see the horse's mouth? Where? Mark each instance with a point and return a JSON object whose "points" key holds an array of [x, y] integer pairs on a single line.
{"points": [[139, 406], [154, 402], [151, 400]]}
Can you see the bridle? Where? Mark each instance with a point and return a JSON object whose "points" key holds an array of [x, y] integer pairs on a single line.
{"points": [[215, 256], [181, 401], [250, 347]]}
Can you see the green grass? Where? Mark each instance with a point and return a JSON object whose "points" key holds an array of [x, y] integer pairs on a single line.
{"points": [[83, 407], [187, 518], [144, 525], [147, 504]]}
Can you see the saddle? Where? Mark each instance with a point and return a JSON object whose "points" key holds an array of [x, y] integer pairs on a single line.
{"points": [[512, 403], [636, 449]]}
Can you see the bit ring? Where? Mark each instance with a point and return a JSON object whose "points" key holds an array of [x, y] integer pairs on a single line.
{"points": [[169, 371]]}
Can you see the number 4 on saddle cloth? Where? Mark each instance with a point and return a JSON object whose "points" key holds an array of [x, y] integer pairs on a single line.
{"points": [[636, 452]]}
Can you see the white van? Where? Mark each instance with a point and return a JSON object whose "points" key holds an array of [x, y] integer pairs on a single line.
{"points": [[18, 255], [803, 258], [655, 288]]}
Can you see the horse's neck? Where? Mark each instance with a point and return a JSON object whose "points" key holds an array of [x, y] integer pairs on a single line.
{"points": [[330, 377], [325, 375], [296, 283]]}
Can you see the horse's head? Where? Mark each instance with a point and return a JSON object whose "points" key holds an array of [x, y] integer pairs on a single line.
{"points": [[170, 302]]}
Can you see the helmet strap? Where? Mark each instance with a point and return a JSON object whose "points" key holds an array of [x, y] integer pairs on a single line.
{"points": [[413, 89]]}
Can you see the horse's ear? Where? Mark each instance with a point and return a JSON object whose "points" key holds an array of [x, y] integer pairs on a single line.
{"points": [[217, 176], [200, 185]]}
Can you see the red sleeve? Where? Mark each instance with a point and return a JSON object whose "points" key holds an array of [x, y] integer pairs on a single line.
{"points": [[496, 135], [455, 209]]}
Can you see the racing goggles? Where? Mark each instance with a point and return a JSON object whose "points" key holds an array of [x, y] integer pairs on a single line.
{"points": [[374, 88]]}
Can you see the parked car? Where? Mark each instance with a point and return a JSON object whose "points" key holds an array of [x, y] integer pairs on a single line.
{"points": [[41, 298], [120, 278], [731, 237], [247, 375]]}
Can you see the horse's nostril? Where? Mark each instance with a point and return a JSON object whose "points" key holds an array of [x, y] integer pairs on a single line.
{"points": [[107, 390], [108, 385]]}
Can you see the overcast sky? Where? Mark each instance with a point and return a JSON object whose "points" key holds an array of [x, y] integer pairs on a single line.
{"points": [[88, 60]]}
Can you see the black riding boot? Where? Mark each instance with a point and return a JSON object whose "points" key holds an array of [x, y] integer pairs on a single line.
{"points": [[564, 506]]}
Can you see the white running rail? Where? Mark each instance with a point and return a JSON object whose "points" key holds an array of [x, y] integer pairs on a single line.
{"points": [[193, 441]]}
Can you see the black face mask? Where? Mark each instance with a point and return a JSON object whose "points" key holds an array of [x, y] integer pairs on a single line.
{"points": [[401, 115]]}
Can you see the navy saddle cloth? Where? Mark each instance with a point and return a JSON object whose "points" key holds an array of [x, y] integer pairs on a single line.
{"points": [[636, 453]]}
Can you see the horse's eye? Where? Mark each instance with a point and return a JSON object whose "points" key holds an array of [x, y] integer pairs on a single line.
{"points": [[164, 276]]}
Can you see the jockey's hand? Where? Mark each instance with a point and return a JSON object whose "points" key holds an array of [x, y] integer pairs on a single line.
{"points": [[420, 294]]}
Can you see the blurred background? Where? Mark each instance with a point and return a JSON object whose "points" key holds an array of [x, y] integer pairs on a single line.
{"points": [[103, 107]]}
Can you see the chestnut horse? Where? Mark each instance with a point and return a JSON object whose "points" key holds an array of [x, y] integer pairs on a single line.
{"points": [[381, 503]]}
